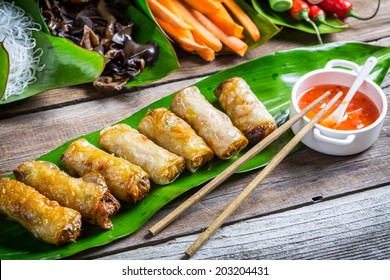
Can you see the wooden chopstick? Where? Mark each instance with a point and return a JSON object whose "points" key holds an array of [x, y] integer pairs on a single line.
{"points": [[256, 181], [232, 168]]}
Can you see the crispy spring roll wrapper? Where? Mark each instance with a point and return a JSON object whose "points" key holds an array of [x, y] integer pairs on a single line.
{"points": [[124, 141], [89, 195], [246, 111], [41, 217], [126, 181], [214, 126], [172, 133]]}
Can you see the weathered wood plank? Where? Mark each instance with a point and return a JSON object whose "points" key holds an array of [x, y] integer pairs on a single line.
{"points": [[352, 227]]}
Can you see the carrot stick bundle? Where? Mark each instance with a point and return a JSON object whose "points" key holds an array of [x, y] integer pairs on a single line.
{"points": [[204, 26], [201, 32]]}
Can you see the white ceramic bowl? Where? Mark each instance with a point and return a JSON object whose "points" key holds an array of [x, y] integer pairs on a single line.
{"points": [[332, 141]]}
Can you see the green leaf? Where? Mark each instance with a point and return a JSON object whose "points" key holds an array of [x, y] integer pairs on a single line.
{"points": [[31, 7], [65, 64], [267, 28], [4, 69], [271, 78], [285, 19]]}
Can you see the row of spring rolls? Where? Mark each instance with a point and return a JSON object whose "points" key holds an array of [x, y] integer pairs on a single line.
{"points": [[192, 131], [163, 145]]}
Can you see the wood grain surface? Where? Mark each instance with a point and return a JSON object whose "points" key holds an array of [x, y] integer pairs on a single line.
{"points": [[356, 227], [313, 206]]}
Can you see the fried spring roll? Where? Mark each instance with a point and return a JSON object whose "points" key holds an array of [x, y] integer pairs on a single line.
{"points": [[126, 181], [214, 126], [172, 133], [89, 195], [125, 141], [246, 111], [41, 217]]}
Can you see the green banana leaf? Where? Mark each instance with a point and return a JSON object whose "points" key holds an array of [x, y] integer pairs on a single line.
{"points": [[63, 66], [285, 19], [267, 28], [4, 70], [271, 78], [67, 64], [32, 7]]}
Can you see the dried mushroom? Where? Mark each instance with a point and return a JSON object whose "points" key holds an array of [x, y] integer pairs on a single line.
{"points": [[102, 27]]}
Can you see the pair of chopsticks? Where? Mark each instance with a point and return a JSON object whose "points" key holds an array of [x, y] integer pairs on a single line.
{"points": [[241, 161]]}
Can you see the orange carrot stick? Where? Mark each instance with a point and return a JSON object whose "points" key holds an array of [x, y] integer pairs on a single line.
{"points": [[222, 10], [235, 44], [177, 31], [204, 6], [170, 6], [225, 22], [187, 43], [243, 18], [166, 15], [207, 55], [226, 25], [201, 32]]}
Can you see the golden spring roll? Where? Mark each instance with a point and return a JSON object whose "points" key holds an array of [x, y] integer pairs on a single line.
{"points": [[172, 133], [214, 126], [126, 181], [89, 195], [125, 141], [43, 218], [246, 111]]}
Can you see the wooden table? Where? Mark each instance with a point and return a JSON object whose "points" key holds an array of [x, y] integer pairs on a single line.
{"points": [[313, 206]]}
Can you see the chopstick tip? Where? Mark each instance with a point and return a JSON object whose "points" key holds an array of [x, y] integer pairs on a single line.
{"points": [[189, 252], [153, 232]]}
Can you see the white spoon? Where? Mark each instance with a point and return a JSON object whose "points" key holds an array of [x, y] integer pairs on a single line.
{"points": [[338, 114]]}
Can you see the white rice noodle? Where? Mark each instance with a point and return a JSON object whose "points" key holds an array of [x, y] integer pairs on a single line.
{"points": [[16, 29]]}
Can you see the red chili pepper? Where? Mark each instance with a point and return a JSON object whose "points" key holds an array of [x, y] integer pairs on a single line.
{"points": [[344, 9], [318, 15], [300, 11]]}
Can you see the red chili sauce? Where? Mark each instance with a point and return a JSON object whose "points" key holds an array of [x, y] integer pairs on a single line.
{"points": [[361, 111]]}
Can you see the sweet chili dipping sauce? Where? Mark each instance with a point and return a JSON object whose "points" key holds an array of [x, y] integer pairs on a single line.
{"points": [[361, 111]]}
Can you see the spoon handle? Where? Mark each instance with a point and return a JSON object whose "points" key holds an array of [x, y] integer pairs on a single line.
{"points": [[367, 68]]}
